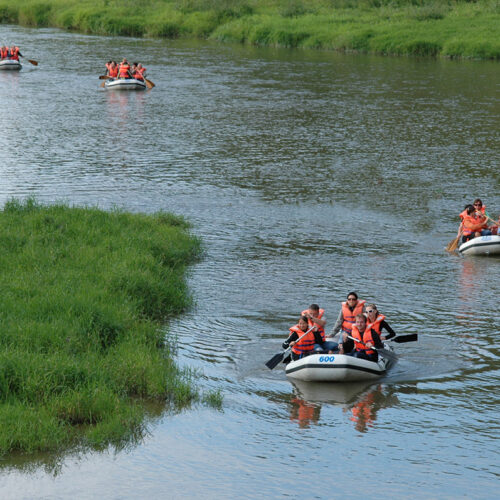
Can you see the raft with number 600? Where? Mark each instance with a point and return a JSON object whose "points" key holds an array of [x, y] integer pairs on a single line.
{"points": [[482, 245], [340, 367]]}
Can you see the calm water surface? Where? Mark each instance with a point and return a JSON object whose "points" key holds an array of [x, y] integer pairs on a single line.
{"points": [[307, 174]]}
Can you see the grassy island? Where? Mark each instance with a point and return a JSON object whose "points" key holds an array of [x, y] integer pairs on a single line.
{"points": [[449, 28], [84, 296]]}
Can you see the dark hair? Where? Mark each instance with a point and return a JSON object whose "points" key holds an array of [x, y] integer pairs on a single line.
{"points": [[478, 200], [470, 209], [314, 307], [135, 64], [304, 318], [352, 293]]}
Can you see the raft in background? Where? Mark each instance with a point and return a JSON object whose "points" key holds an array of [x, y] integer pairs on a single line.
{"points": [[10, 64], [338, 368], [482, 245], [125, 84]]}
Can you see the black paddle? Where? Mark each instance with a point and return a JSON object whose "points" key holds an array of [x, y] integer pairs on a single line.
{"points": [[413, 337], [276, 359], [384, 352]]}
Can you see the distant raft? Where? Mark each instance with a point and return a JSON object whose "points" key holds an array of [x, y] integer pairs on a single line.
{"points": [[338, 368], [481, 245], [10, 64], [124, 84]]}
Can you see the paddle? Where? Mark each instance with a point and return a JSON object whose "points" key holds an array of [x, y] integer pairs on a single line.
{"points": [[384, 352], [103, 84], [453, 244], [413, 337], [32, 61], [149, 83], [104, 77], [276, 359]]}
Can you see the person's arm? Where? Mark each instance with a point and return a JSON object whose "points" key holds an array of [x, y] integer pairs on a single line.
{"points": [[338, 324], [292, 338], [376, 340], [321, 322], [391, 332], [317, 338]]}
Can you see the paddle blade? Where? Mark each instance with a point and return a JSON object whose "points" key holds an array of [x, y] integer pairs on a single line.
{"points": [[453, 244], [103, 84], [149, 83], [405, 338], [104, 77], [275, 360], [35, 63]]}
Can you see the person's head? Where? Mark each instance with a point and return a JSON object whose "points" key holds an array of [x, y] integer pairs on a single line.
{"points": [[371, 311], [124, 61], [360, 322], [352, 298], [470, 209], [139, 65], [478, 204], [303, 323], [314, 310]]}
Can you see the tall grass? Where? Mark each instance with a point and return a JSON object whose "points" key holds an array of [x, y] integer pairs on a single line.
{"points": [[84, 295], [451, 28]]}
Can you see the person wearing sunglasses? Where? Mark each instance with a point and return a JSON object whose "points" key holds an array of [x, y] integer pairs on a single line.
{"points": [[377, 322], [346, 319]]}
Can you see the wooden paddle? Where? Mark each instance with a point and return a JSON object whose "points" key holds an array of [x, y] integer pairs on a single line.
{"points": [[149, 83], [103, 84], [278, 357], [383, 352], [453, 244], [104, 77], [35, 63]]}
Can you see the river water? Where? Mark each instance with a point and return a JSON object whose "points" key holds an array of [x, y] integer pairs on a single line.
{"points": [[308, 175]]}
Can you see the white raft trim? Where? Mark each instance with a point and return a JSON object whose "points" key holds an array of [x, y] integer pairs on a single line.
{"points": [[125, 84], [10, 64], [481, 245], [337, 368]]}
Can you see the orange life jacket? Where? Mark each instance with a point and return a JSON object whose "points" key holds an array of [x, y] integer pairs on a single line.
{"points": [[349, 317], [138, 75], [470, 225], [124, 68], [367, 337], [14, 54], [113, 72], [143, 70], [310, 322], [4, 53], [305, 344], [376, 324]]}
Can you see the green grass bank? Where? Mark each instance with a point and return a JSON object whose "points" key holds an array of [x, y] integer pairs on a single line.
{"points": [[83, 353], [447, 28]]}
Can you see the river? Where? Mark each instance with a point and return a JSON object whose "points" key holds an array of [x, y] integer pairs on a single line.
{"points": [[308, 174]]}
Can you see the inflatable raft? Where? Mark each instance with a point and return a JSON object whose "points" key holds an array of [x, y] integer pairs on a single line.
{"points": [[482, 245], [125, 84], [10, 64], [338, 368]]}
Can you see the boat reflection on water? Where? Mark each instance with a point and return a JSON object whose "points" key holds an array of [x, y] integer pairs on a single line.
{"points": [[360, 401]]}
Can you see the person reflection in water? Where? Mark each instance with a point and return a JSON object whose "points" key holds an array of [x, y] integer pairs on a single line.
{"points": [[304, 413]]}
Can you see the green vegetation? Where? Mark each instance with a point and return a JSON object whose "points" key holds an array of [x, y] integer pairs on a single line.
{"points": [[450, 28], [84, 296]]}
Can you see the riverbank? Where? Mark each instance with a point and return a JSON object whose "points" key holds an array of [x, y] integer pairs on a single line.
{"points": [[431, 28], [82, 349]]}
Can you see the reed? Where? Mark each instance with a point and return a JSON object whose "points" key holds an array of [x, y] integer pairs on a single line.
{"points": [[82, 348], [448, 28]]}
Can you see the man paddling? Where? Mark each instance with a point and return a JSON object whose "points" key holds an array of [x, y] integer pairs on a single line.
{"points": [[316, 317], [366, 339]]}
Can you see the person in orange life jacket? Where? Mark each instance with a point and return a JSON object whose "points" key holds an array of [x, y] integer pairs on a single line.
{"points": [[108, 65], [136, 73], [316, 316], [306, 345], [141, 69], [346, 318], [368, 337], [377, 322], [4, 52], [14, 53], [473, 226], [124, 69], [113, 70]]}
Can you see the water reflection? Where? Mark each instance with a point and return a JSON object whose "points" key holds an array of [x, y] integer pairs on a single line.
{"points": [[359, 401]]}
